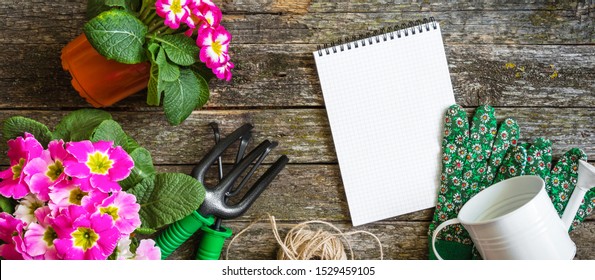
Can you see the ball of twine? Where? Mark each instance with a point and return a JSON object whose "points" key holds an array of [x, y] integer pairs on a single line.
{"points": [[302, 242]]}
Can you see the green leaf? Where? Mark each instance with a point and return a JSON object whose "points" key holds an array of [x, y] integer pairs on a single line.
{"points": [[144, 231], [109, 130], [202, 70], [180, 49], [79, 125], [167, 72], [166, 198], [117, 35], [181, 97], [17, 126], [143, 168], [95, 7], [155, 86], [7, 204], [203, 91]]}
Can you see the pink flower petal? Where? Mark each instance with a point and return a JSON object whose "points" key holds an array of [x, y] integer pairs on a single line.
{"points": [[40, 185], [76, 169], [104, 183], [147, 250], [80, 150], [57, 150], [103, 146]]}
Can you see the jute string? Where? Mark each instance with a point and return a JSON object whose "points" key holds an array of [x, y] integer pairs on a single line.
{"points": [[303, 243]]}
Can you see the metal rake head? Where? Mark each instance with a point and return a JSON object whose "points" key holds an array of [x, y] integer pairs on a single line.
{"points": [[216, 201]]}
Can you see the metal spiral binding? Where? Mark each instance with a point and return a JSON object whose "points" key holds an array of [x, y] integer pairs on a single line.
{"points": [[383, 34]]}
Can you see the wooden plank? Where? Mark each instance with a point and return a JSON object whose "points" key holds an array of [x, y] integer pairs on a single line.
{"points": [[304, 135], [285, 76], [458, 27], [400, 240], [303, 22], [326, 6]]}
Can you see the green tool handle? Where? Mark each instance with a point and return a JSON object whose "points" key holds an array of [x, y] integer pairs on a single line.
{"points": [[177, 233], [211, 243]]}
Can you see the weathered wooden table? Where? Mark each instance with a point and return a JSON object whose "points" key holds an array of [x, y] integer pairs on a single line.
{"points": [[550, 90]]}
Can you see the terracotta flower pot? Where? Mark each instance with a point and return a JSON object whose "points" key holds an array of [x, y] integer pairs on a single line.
{"points": [[100, 81]]}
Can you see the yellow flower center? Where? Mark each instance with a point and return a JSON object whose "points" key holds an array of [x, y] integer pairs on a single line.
{"points": [[84, 238], [34, 206], [76, 196], [99, 163], [217, 48], [176, 7], [110, 210], [49, 236], [17, 169], [55, 170]]}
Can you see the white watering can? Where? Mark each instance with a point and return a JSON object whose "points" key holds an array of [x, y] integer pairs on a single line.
{"points": [[515, 219]]}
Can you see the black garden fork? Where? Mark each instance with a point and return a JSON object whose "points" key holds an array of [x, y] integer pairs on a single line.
{"points": [[216, 205]]}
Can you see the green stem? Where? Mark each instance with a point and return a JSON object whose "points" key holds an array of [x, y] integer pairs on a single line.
{"points": [[150, 18], [145, 10], [162, 29]]}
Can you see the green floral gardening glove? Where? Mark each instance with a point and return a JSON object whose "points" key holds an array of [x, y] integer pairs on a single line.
{"points": [[471, 159]]}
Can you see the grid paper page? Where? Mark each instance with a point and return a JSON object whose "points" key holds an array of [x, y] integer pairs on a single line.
{"points": [[385, 103]]}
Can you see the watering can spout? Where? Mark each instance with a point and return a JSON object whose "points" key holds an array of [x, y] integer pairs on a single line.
{"points": [[585, 181]]}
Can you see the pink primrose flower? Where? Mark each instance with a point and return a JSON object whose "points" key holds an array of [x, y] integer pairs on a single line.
{"points": [[84, 236], [173, 11], [25, 210], [39, 237], [147, 250], [97, 165], [123, 248], [61, 197], [223, 72], [47, 170], [20, 152], [209, 16], [11, 233], [214, 45], [123, 210]]}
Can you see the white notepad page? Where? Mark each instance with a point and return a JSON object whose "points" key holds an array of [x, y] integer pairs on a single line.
{"points": [[385, 103]]}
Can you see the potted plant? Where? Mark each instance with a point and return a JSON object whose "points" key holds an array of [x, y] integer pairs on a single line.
{"points": [[171, 47], [85, 191]]}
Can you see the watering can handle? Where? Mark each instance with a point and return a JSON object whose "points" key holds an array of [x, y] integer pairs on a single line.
{"points": [[585, 181], [437, 230]]}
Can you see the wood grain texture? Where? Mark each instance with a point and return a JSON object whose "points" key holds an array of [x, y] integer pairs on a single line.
{"points": [[276, 88], [285, 76], [304, 134]]}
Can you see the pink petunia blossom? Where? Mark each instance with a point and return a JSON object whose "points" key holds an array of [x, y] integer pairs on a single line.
{"points": [[11, 233], [147, 250], [97, 165], [173, 11], [223, 72], [47, 170], [20, 152], [214, 44], [123, 210], [84, 236], [39, 237]]}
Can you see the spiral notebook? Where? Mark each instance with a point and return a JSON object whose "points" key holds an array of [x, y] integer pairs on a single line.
{"points": [[385, 96]]}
